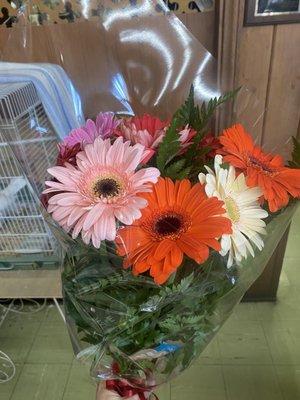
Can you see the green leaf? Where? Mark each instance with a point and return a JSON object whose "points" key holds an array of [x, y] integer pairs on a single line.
{"points": [[175, 167], [295, 163], [186, 113], [207, 110], [177, 170], [185, 283], [201, 117], [169, 147], [193, 319], [184, 173], [195, 117]]}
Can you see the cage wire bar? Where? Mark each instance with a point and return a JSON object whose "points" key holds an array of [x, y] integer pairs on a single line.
{"points": [[25, 134]]}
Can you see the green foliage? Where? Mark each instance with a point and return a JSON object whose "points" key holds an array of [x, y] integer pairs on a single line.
{"points": [[169, 147], [177, 170], [207, 109], [197, 118], [121, 313], [295, 163], [186, 114], [202, 116], [184, 284]]}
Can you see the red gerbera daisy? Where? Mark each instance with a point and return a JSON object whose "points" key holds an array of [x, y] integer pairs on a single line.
{"points": [[213, 143], [67, 153]]}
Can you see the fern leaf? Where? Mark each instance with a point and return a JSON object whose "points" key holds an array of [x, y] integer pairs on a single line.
{"points": [[177, 170], [185, 114], [295, 163], [169, 147], [186, 283], [175, 167], [184, 173], [195, 117]]}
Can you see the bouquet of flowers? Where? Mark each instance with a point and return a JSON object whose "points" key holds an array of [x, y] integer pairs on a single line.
{"points": [[165, 221], [169, 226]]}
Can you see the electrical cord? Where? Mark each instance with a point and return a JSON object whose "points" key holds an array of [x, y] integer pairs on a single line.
{"points": [[7, 366]]}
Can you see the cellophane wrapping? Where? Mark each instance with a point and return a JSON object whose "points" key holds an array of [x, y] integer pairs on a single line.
{"points": [[140, 328], [135, 329]]}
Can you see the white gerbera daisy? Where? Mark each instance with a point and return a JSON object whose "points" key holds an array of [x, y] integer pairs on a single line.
{"points": [[242, 208]]}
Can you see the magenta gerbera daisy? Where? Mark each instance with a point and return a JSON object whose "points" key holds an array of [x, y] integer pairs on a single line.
{"points": [[105, 125], [100, 190]]}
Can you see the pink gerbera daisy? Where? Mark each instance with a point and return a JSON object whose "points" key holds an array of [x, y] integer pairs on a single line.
{"points": [[146, 130], [103, 188], [105, 125], [150, 131]]}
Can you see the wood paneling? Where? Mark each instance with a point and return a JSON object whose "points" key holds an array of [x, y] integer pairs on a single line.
{"points": [[266, 61], [283, 98], [228, 17], [252, 66], [202, 26]]}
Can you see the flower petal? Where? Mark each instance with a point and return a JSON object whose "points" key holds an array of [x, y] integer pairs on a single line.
{"points": [[93, 215]]}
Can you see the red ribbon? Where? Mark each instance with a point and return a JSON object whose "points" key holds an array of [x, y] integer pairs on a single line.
{"points": [[124, 389]]}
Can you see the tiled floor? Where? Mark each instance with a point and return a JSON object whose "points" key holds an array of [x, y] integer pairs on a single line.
{"points": [[256, 356]]}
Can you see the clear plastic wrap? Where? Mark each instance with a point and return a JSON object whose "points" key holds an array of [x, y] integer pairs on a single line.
{"points": [[128, 60], [141, 320], [147, 333]]}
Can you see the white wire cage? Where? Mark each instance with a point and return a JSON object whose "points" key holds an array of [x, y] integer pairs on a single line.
{"points": [[28, 139]]}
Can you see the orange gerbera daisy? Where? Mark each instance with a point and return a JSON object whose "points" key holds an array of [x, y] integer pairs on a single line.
{"points": [[264, 170], [179, 219]]}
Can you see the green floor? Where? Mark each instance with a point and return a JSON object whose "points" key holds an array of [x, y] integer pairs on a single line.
{"points": [[256, 356]]}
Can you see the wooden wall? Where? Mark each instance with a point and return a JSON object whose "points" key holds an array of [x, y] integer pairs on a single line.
{"points": [[266, 60], [204, 27]]}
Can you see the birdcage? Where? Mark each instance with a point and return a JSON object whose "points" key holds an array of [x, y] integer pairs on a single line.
{"points": [[27, 143]]}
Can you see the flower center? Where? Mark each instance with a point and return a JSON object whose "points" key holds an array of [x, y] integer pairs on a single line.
{"points": [[254, 162], [168, 225], [232, 209], [106, 187]]}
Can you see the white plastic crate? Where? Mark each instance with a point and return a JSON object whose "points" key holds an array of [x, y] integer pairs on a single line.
{"points": [[27, 139]]}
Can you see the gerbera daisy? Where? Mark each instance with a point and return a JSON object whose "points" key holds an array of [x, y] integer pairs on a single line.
{"points": [[101, 188], [146, 130], [264, 170], [179, 219], [242, 208], [105, 125], [150, 131], [213, 143], [67, 153]]}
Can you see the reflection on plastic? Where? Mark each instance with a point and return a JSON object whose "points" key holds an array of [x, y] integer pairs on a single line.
{"points": [[116, 16], [119, 90], [154, 40], [153, 56]]}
